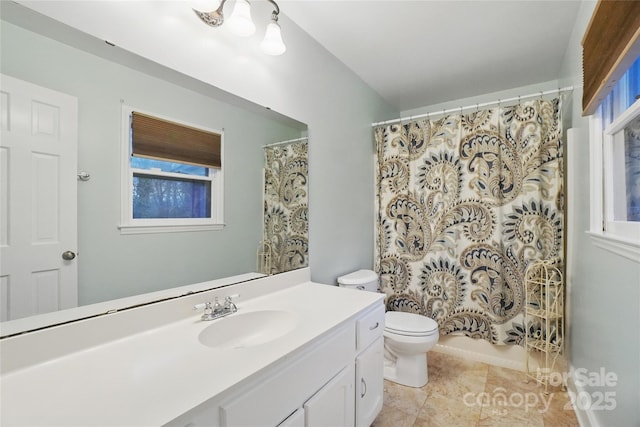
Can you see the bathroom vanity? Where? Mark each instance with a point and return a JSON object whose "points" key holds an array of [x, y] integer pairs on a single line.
{"points": [[296, 353]]}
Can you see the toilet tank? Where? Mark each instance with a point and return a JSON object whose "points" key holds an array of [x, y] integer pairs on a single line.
{"points": [[365, 280]]}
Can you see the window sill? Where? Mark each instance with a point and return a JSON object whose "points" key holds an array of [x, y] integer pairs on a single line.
{"points": [[626, 248], [150, 229]]}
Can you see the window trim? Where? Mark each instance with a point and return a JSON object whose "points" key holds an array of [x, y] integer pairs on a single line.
{"points": [[605, 232], [130, 225], [614, 244]]}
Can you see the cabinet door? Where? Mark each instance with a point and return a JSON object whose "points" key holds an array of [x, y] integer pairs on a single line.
{"points": [[294, 420], [369, 383], [333, 404]]}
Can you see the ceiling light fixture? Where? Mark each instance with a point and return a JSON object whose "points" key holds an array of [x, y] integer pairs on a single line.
{"points": [[241, 24]]}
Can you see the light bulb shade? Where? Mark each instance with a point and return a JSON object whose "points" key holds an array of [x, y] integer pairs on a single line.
{"points": [[272, 43], [240, 22]]}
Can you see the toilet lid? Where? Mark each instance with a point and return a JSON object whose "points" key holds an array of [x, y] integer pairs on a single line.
{"points": [[409, 323]]}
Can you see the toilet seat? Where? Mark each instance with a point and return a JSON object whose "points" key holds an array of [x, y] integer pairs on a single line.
{"points": [[409, 324]]}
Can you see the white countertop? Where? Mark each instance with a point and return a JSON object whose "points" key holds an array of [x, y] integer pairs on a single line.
{"points": [[152, 377]]}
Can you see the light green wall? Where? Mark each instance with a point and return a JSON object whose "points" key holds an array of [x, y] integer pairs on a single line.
{"points": [[112, 265], [604, 304]]}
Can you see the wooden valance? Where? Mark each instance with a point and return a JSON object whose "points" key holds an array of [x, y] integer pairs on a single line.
{"points": [[164, 140], [609, 47]]}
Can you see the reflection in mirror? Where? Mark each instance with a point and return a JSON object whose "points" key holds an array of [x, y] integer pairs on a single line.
{"points": [[101, 77], [286, 224]]}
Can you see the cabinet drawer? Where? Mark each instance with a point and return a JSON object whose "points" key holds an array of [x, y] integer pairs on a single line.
{"points": [[369, 327]]}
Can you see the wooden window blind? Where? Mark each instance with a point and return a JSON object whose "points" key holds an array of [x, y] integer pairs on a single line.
{"points": [[609, 47], [164, 140]]}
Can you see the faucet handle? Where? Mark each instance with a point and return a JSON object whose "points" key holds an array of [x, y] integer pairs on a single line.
{"points": [[229, 304], [229, 298], [207, 307], [207, 313], [201, 306]]}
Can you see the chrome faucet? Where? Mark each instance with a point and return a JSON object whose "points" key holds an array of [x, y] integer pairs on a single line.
{"points": [[218, 310]]}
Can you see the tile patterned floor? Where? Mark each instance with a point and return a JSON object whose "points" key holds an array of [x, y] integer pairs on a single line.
{"points": [[463, 393]]}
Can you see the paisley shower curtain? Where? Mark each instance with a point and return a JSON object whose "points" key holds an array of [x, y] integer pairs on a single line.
{"points": [[286, 224], [464, 203]]}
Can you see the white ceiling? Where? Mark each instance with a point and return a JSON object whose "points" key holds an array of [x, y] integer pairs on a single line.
{"points": [[416, 53]]}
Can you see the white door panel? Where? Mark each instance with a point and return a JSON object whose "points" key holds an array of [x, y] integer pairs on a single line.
{"points": [[369, 383], [333, 405], [38, 157]]}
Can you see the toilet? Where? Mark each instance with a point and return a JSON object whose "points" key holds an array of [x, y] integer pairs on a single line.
{"points": [[407, 336]]}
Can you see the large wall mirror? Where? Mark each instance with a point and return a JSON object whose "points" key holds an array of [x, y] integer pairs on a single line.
{"points": [[112, 265]]}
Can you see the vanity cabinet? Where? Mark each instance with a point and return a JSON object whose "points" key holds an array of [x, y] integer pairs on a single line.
{"points": [[156, 369], [335, 381]]}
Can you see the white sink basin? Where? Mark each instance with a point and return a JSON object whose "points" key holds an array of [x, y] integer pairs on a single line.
{"points": [[240, 330]]}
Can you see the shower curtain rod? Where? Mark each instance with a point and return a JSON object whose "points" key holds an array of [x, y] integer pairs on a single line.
{"points": [[289, 141], [476, 106]]}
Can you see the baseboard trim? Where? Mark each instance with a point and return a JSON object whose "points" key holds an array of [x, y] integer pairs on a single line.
{"points": [[586, 417]]}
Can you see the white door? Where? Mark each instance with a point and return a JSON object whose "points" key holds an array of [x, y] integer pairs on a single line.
{"points": [[38, 195]]}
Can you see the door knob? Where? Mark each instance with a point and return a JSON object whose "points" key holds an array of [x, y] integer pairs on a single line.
{"points": [[68, 255]]}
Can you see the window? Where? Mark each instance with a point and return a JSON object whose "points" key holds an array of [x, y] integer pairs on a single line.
{"points": [[172, 175], [615, 144]]}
